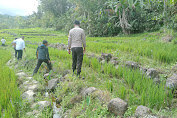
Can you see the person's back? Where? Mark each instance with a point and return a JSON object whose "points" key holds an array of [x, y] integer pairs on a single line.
{"points": [[42, 55], [3, 41], [76, 43], [20, 44], [42, 52], [77, 35]]}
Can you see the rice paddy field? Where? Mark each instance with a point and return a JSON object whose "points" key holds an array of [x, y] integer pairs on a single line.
{"points": [[147, 49]]}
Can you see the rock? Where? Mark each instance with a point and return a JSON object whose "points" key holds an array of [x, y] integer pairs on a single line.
{"points": [[66, 72], [143, 70], [29, 78], [103, 62], [91, 56], [117, 106], [30, 82], [100, 59], [76, 99], [168, 38], [114, 62], [107, 57], [52, 84], [87, 91], [67, 114], [132, 65], [9, 62], [29, 95], [149, 116], [34, 87], [172, 82], [32, 113], [41, 105], [20, 81], [46, 75], [142, 111], [152, 73], [175, 69], [102, 96], [21, 74]]}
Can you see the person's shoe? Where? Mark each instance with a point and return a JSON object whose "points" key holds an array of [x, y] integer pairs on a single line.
{"points": [[78, 75]]}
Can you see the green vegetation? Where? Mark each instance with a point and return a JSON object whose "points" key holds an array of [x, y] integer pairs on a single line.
{"points": [[129, 85], [108, 18], [9, 94]]}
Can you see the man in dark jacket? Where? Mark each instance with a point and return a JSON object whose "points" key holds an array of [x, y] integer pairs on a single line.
{"points": [[42, 54]]}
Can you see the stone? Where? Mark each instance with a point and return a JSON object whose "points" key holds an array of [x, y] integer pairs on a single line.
{"points": [[29, 95], [117, 106], [66, 72], [149, 116], [46, 75], [172, 82], [21, 74], [132, 65], [41, 105], [107, 57], [30, 82], [174, 69], [168, 38], [143, 70], [103, 96], [103, 62], [91, 56], [76, 99], [100, 59], [153, 73], [142, 111], [52, 84], [29, 78], [114, 62], [33, 113], [87, 91], [34, 87]]}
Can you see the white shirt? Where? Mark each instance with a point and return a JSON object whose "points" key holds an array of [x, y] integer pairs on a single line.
{"points": [[20, 44], [76, 38], [3, 41]]}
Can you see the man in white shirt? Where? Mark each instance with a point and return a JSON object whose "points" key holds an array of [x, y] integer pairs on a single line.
{"points": [[77, 44], [14, 45], [3, 41], [20, 46]]}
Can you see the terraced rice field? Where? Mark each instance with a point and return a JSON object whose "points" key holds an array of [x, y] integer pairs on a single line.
{"points": [[113, 79]]}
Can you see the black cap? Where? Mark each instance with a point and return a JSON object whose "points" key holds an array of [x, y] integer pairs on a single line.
{"points": [[76, 22]]}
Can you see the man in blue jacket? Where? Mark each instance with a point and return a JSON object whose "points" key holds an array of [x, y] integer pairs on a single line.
{"points": [[42, 55]]}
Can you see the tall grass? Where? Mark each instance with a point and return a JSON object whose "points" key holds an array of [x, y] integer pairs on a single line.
{"points": [[9, 93], [152, 95]]}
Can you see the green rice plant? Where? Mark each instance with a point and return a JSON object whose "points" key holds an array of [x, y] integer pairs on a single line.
{"points": [[9, 93], [109, 85]]}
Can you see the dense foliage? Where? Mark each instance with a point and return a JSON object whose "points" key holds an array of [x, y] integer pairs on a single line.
{"points": [[104, 17]]}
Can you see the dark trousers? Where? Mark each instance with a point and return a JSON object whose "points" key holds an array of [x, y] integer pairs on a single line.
{"points": [[15, 52], [77, 57], [39, 62], [3, 44], [19, 53]]}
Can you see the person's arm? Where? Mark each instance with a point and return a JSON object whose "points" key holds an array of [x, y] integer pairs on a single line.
{"points": [[24, 45], [69, 42], [14, 43], [84, 40], [37, 52], [48, 57]]}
